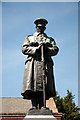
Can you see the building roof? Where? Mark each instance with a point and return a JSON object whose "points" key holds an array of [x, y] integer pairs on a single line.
{"points": [[18, 105]]}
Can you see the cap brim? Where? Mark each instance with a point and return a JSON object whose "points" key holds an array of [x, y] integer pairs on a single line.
{"points": [[40, 25]]}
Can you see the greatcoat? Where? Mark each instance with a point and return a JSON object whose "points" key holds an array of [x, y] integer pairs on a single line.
{"points": [[33, 80]]}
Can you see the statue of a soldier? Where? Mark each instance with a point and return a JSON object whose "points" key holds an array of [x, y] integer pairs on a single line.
{"points": [[38, 83]]}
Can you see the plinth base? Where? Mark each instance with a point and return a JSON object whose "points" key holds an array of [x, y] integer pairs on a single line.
{"points": [[39, 117], [42, 111]]}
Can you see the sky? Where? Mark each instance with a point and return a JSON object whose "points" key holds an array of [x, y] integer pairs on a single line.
{"points": [[40, 0], [17, 23]]}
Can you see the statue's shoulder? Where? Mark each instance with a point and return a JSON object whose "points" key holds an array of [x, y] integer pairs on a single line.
{"points": [[35, 34], [28, 37], [50, 39], [31, 38]]}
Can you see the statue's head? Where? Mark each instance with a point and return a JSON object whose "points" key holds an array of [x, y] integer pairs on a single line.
{"points": [[41, 24]]}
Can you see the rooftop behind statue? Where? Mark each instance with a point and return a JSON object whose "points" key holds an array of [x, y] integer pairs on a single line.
{"points": [[38, 83]]}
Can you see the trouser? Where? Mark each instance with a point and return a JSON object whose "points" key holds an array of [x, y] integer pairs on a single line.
{"points": [[37, 100]]}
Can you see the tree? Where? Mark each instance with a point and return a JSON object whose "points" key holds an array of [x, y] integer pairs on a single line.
{"points": [[67, 106]]}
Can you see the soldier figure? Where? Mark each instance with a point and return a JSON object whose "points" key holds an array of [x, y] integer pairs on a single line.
{"points": [[33, 75]]}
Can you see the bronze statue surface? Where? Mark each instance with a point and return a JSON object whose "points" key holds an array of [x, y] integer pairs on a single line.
{"points": [[38, 83]]}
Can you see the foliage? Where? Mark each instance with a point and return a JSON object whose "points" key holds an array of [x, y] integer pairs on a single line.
{"points": [[67, 106]]}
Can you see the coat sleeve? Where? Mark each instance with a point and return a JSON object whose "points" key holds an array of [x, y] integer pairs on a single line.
{"points": [[52, 49], [27, 49]]}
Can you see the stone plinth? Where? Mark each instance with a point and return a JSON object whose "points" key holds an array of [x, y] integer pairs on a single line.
{"points": [[39, 117]]}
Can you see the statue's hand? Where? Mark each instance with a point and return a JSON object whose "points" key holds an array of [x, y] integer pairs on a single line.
{"points": [[38, 46], [35, 44], [42, 44], [48, 44], [36, 49]]}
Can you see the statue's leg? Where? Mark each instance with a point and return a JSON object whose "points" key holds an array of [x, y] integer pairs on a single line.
{"points": [[40, 99], [37, 100], [34, 102]]}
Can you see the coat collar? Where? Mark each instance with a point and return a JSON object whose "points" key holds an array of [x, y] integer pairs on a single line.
{"points": [[36, 34]]}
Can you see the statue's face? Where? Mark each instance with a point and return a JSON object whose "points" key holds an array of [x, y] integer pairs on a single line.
{"points": [[40, 29]]}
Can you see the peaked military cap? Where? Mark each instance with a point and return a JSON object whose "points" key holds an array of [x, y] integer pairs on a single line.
{"points": [[41, 22]]}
